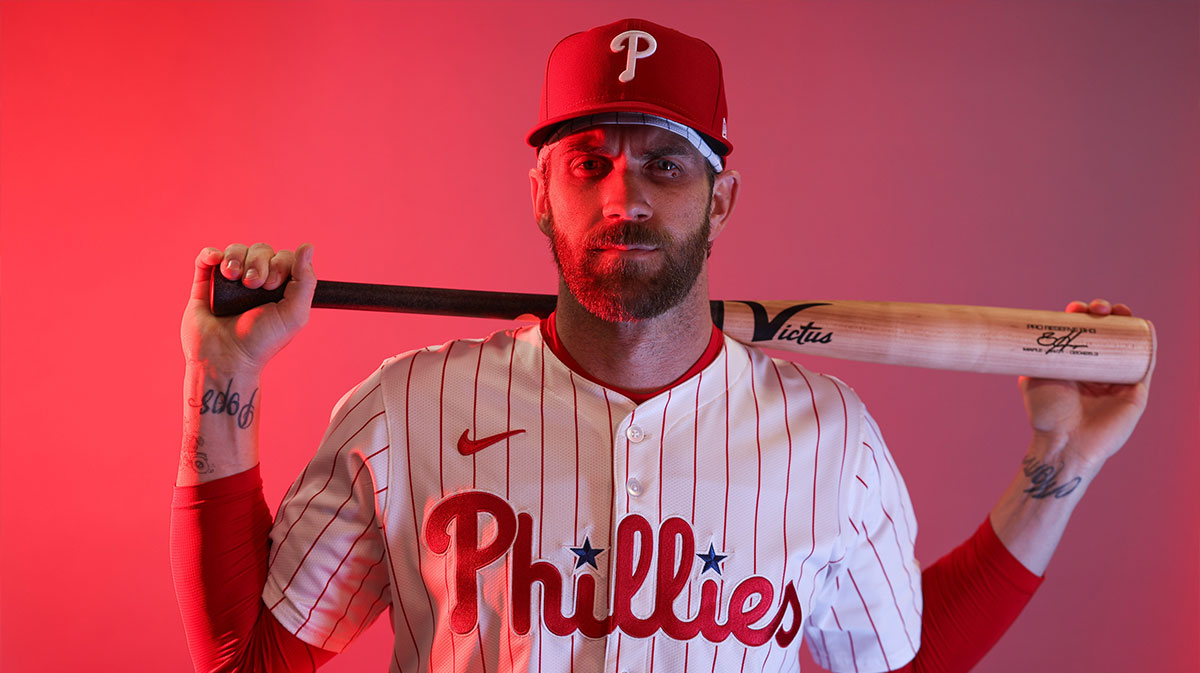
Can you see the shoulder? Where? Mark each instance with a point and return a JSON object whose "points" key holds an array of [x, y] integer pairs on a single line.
{"points": [[503, 343], [795, 380], [502, 355]]}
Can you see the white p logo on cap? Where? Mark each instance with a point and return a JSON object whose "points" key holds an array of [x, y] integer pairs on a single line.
{"points": [[632, 37]]}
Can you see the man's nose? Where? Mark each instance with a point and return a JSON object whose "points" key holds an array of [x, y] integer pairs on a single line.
{"points": [[625, 196]]}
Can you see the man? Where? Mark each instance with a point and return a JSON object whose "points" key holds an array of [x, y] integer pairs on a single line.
{"points": [[619, 488]]}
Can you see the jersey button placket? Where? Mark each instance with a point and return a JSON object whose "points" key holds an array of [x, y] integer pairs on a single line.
{"points": [[633, 486], [635, 435]]}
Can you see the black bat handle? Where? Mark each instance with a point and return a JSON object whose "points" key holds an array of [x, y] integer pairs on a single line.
{"points": [[230, 297]]}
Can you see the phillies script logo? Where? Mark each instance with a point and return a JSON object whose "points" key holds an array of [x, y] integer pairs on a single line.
{"points": [[635, 540], [779, 329]]}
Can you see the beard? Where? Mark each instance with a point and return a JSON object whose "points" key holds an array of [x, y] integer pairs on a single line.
{"points": [[628, 290]]}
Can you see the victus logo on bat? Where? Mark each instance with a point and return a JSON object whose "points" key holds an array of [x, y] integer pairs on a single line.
{"points": [[780, 328], [452, 527]]}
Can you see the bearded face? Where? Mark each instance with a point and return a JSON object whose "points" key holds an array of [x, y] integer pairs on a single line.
{"points": [[630, 271]]}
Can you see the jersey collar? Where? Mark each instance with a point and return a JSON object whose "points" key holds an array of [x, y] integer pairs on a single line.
{"points": [[550, 336]]}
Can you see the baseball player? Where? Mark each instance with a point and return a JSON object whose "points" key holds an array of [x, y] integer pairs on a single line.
{"points": [[618, 488]]}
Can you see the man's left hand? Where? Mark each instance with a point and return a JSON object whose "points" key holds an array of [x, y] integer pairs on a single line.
{"points": [[1089, 421]]}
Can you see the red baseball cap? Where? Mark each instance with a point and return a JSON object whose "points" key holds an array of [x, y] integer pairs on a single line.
{"points": [[635, 65]]}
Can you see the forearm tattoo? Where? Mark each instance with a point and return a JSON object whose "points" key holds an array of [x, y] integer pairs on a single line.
{"points": [[196, 461], [216, 401], [1045, 479]]}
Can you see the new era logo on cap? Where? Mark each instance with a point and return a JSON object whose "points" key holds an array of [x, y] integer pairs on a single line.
{"points": [[634, 65]]}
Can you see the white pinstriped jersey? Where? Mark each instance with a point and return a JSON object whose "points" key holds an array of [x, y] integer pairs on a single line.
{"points": [[516, 516]]}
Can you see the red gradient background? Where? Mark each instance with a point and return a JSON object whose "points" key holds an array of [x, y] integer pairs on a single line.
{"points": [[1018, 153]]}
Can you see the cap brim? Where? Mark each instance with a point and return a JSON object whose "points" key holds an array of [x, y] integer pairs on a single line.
{"points": [[542, 131]]}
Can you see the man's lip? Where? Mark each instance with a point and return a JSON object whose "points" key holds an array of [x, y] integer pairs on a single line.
{"points": [[625, 248]]}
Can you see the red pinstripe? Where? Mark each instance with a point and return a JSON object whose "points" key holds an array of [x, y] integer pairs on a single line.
{"points": [[441, 415], [512, 657], [318, 537], [632, 420], [662, 441], [845, 439], [412, 493], [725, 516], [542, 476], [399, 598], [758, 489], [912, 540], [812, 395], [295, 487], [474, 416], [332, 575], [322, 490], [362, 627], [787, 485], [612, 505], [449, 570], [695, 487], [870, 619], [350, 601], [899, 550], [889, 584], [853, 655], [575, 403], [542, 500], [474, 472]]}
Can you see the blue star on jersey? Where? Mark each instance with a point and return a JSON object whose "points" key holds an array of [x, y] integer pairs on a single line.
{"points": [[586, 554], [712, 560]]}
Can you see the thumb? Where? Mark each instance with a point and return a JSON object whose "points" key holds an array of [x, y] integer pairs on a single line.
{"points": [[298, 294]]}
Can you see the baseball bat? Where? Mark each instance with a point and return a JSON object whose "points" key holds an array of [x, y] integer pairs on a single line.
{"points": [[1045, 344]]}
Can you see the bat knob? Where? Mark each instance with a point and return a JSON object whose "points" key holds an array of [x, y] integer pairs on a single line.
{"points": [[230, 297]]}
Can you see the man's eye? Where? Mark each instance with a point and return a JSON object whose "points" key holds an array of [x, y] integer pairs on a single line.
{"points": [[665, 166], [588, 165]]}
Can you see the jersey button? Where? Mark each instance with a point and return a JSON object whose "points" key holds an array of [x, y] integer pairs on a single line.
{"points": [[634, 487], [635, 434]]}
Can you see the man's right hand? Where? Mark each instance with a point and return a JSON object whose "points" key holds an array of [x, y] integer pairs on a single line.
{"points": [[244, 343]]}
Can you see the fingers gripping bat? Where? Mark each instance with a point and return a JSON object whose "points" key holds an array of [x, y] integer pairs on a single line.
{"points": [[1045, 344]]}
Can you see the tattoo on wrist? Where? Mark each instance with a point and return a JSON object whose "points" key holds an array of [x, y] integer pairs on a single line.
{"points": [[217, 401], [1045, 479], [197, 461]]}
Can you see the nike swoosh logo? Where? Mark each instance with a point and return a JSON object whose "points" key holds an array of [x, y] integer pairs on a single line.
{"points": [[468, 447]]}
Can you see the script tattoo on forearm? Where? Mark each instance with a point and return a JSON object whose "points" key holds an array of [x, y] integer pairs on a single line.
{"points": [[216, 401], [1045, 479], [196, 461]]}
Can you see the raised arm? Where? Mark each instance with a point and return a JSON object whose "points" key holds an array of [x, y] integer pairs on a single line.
{"points": [[219, 519], [225, 356], [1077, 426]]}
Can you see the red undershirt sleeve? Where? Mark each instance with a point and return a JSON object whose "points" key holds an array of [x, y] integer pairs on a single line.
{"points": [[219, 543], [972, 595]]}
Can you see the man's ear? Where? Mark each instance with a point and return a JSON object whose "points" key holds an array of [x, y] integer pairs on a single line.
{"points": [[724, 198], [539, 193]]}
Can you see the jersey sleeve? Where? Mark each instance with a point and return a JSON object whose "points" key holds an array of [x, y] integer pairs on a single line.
{"points": [[327, 577], [867, 614]]}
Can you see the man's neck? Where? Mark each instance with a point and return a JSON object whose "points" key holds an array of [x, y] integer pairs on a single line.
{"points": [[640, 356]]}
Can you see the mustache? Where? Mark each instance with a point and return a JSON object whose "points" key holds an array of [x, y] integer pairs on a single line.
{"points": [[629, 233]]}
